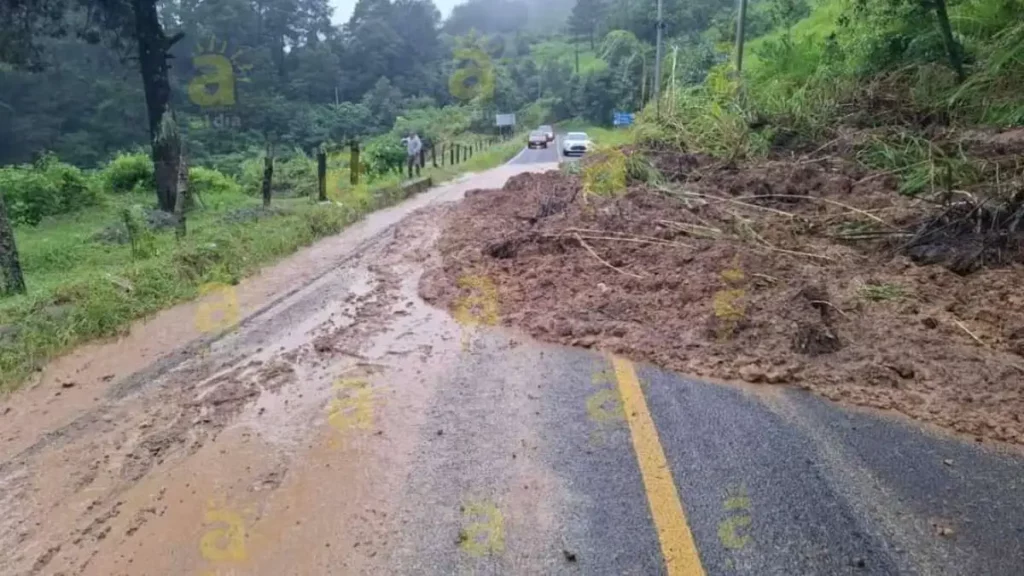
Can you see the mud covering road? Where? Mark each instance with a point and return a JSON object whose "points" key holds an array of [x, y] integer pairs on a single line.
{"points": [[343, 426]]}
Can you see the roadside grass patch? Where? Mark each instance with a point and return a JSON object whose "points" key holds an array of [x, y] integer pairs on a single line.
{"points": [[604, 173]]}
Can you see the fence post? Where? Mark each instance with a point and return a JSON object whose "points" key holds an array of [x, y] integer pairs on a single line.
{"points": [[268, 175], [433, 155], [451, 154], [353, 163], [321, 174]]}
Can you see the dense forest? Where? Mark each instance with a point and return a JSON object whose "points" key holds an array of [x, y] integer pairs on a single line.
{"points": [[294, 78]]}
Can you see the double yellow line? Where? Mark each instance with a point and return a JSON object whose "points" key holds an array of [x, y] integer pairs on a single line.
{"points": [[677, 544]]}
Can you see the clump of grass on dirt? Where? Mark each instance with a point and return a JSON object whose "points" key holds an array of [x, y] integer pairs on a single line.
{"points": [[882, 292], [604, 172]]}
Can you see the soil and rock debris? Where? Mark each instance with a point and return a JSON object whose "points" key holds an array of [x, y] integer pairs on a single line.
{"points": [[812, 272]]}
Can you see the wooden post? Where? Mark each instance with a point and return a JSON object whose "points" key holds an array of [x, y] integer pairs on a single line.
{"points": [[433, 155], [321, 173], [268, 175], [180, 193], [353, 163], [451, 153], [423, 158]]}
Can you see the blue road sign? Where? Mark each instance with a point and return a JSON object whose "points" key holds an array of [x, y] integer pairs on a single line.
{"points": [[622, 118]]}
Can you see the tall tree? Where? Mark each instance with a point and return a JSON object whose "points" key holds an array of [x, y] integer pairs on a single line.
{"points": [[11, 280], [487, 17], [154, 52], [586, 18], [123, 23]]}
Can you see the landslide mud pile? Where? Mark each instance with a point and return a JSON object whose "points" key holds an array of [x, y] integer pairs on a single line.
{"points": [[814, 274]]}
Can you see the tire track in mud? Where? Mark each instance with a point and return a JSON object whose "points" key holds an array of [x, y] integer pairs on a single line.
{"points": [[77, 477]]}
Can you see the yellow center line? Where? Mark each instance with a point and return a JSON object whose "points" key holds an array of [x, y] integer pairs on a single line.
{"points": [[677, 544]]}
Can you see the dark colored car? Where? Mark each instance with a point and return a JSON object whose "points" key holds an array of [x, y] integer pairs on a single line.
{"points": [[537, 139]]}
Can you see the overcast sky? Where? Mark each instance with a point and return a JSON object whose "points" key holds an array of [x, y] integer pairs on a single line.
{"points": [[343, 8]]}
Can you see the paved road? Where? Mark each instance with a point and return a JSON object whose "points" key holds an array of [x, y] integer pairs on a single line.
{"points": [[345, 427], [553, 153]]}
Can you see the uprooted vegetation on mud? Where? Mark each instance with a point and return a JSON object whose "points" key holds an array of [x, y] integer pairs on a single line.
{"points": [[814, 272]]}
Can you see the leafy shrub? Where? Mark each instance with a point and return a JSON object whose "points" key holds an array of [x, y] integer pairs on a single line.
{"points": [[382, 155], [45, 188], [294, 175], [129, 171], [209, 182]]}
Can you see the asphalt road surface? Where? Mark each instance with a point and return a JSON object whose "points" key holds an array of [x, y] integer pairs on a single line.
{"points": [[528, 156], [336, 424]]}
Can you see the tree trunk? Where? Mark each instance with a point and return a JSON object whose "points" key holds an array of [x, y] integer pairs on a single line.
{"points": [[11, 279], [321, 174], [268, 175], [277, 53], [153, 54], [952, 46]]}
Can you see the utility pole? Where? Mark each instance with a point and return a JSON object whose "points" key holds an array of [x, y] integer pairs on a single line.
{"points": [[740, 22], [657, 65], [672, 84], [577, 56]]}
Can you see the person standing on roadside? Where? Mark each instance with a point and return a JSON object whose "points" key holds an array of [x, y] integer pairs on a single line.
{"points": [[413, 145]]}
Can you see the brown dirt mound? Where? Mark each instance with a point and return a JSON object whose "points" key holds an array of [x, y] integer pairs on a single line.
{"points": [[777, 272]]}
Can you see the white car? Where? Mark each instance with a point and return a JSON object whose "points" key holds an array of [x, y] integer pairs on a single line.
{"points": [[576, 144]]}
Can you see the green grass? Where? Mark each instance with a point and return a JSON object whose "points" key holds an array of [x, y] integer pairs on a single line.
{"points": [[813, 30], [883, 74], [565, 52], [81, 289], [882, 292]]}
